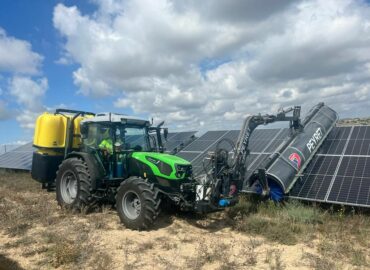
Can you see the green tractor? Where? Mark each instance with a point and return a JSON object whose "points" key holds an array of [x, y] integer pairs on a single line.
{"points": [[117, 158]]}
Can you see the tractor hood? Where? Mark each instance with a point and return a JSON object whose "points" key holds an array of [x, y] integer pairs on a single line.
{"points": [[165, 165]]}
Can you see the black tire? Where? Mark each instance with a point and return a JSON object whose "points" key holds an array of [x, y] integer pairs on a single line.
{"points": [[81, 200], [143, 193]]}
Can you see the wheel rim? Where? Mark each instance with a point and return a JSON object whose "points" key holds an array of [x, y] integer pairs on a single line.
{"points": [[68, 187], [131, 205]]}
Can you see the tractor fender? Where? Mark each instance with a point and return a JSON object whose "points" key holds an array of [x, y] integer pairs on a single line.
{"points": [[96, 169]]}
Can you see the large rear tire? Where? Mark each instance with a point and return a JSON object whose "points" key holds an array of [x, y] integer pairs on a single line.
{"points": [[137, 203], [73, 184]]}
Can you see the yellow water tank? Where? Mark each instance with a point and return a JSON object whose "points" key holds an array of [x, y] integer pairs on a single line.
{"points": [[51, 131]]}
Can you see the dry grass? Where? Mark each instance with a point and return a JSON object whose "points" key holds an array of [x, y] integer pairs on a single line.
{"points": [[226, 255], [342, 236], [354, 121], [36, 234], [317, 262]]}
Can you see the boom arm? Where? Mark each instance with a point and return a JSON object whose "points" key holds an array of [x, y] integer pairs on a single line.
{"points": [[224, 176], [238, 166]]}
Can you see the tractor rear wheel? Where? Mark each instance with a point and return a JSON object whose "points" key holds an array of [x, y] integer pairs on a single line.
{"points": [[137, 203], [73, 185]]}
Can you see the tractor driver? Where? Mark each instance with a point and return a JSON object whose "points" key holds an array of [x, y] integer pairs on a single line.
{"points": [[106, 144]]}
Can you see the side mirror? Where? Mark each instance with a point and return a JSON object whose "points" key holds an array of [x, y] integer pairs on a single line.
{"points": [[165, 133]]}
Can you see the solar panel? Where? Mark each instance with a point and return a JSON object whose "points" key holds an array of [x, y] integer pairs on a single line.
{"points": [[232, 135], [198, 145], [213, 135], [352, 182], [340, 173], [170, 135], [197, 150], [260, 141], [19, 158], [311, 187], [359, 142], [205, 142], [181, 136], [315, 183], [351, 190], [187, 155], [274, 145], [7, 147], [336, 140], [267, 140], [255, 160], [176, 141], [16, 160], [28, 147]]}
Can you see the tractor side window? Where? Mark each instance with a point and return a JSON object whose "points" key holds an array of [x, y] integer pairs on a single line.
{"points": [[136, 139], [105, 136], [91, 137], [98, 135]]}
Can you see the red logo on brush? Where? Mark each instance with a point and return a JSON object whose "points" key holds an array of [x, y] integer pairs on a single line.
{"points": [[296, 159]]}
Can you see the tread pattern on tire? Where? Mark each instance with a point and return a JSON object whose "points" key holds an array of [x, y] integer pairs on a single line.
{"points": [[84, 198], [150, 204]]}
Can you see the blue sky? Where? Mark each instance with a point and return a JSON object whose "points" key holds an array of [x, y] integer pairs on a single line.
{"points": [[198, 66], [32, 21]]}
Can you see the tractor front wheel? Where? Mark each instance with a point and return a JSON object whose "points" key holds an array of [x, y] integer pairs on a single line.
{"points": [[137, 203], [73, 185]]}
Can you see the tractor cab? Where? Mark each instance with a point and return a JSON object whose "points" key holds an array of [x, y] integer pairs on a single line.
{"points": [[114, 137]]}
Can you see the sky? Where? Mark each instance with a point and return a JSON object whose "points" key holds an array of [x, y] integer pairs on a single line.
{"points": [[198, 65]]}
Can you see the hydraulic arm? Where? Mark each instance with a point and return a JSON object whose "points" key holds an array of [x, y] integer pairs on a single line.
{"points": [[224, 175]]}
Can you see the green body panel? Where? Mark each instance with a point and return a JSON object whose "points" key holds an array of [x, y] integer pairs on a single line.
{"points": [[149, 159]]}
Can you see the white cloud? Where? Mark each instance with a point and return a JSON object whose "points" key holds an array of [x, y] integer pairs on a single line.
{"points": [[19, 63], [19, 142], [63, 61], [16, 56], [27, 118], [156, 56], [29, 94]]}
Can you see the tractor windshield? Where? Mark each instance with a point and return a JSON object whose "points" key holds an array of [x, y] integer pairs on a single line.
{"points": [[134, 138], [106, 136]]}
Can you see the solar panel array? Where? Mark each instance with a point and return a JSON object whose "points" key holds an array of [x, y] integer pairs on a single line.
{"points": [[19, 158], [7, 147], [340, 173], [262, 143]]}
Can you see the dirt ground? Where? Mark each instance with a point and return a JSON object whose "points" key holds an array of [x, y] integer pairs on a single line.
{"points": [[36, 234]]}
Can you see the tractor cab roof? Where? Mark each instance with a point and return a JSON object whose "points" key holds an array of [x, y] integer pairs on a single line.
{"points": [[116, 118]]}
